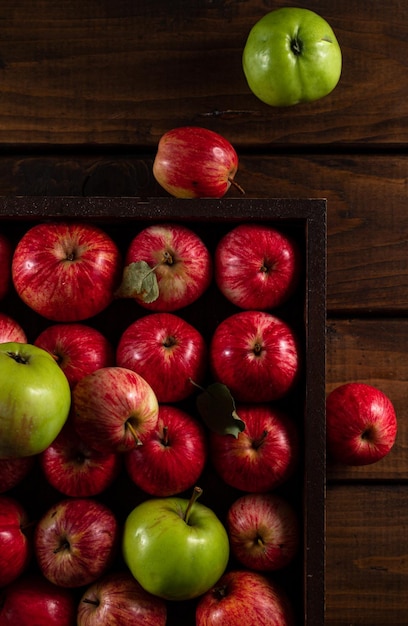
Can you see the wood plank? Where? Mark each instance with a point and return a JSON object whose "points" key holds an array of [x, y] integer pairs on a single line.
{"points": [[125, 72], [374, 352], [367, 216], [366, 558]]}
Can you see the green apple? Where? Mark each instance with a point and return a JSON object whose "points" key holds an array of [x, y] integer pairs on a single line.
{"points": [[291, 56], [35, 400], [175, 548]]}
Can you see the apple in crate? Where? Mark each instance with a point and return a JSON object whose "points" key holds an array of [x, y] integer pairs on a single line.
{"points": [[13, 471], [261, 457], [361, 424], [33, 600], [6, 253], [66, 272], [256, 355], [194, 162], [167, 267], [175, 548], [75, 469], [114, 409], [35, 400], [75, 541], [79, 349], [11, 330], [167, 351], [117, 598], [264, 531], [172, 457], [256, 266], [15, 546], [244, 597]]}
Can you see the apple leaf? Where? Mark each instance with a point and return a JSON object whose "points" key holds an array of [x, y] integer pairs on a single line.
{"points": [[139, 281], [217, 408]]}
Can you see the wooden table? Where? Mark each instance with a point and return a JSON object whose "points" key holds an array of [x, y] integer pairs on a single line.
{"points": [[88, 88]]}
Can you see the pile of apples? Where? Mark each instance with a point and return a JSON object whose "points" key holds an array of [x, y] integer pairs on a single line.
{"points": [[139, 372]]}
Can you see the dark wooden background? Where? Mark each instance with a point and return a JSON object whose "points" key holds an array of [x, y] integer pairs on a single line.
{"points": [[86, 91]]}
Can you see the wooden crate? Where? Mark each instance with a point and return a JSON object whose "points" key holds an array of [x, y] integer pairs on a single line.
{"points": [[305, 220]]}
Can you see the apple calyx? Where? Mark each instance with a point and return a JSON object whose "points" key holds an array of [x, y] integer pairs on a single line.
{"points": [[19, 357], [217, 408], [197, 491]]}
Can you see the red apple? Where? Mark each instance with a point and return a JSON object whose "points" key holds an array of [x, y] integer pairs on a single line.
{"points": [[66, 272], [194, 162], [75, 469], [13, 471], [117, 598], [261, 457], [115, 409], [361, 424], [15, 547], [244, 597], [6, 253], [264, 531], [167, 351], [10, 330], [172, 458], [256, 266], [181, 262], [34, 601], [255, 354], [75, 541], [78, 348]]}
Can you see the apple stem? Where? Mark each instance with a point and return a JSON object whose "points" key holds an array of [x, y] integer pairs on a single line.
{"points": [[133, 433], [258, 442], [165, 436], [236, 185], [197, 491], [196, 385]]}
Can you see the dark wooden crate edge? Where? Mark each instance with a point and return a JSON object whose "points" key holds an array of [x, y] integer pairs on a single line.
{"points": [[310, 213]]}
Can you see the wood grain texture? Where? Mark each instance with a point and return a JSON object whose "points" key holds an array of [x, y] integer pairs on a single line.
{"points": [[125, 72], [367, 555]]}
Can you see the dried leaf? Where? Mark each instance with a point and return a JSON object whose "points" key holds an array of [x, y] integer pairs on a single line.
{"points": [[217, 408], [139, 281]]}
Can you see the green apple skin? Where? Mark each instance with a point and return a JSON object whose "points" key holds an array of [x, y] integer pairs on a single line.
{"points": [[170, 558], [291, 56], [35, 400]]}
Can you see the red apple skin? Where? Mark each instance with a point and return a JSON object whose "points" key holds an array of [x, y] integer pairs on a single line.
{"points": [[256, 267], [194, 162], [33, 601], [13, 471], [75, 469], [255, 354], [263, 456], [169, 462], [114, 409], [6, 254], [15, 547], [167, 351], [117, 598], [244, 595], [361, 424], [264, 531], [66, 272], [75, 541], [10, 330], [78, 348], [183, 264]]}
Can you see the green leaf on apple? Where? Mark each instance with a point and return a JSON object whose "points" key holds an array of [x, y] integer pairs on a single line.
{"points": [[139, 281], [217, 408]]}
